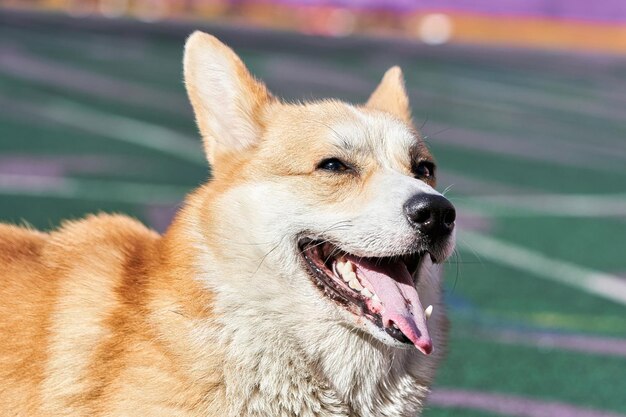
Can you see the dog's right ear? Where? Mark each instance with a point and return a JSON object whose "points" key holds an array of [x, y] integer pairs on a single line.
{"points": [[390, 96], [227, 101]]}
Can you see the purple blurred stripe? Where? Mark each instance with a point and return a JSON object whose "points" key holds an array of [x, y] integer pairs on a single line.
{"points": [[510, 405], [17, 62], [599, 10], [31, 183], [52, 166], [575, 342], [60, 165]]}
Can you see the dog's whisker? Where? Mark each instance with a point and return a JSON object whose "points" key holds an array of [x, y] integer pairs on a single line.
{"points": [[448, 188], [265, 257], [424, 123]]}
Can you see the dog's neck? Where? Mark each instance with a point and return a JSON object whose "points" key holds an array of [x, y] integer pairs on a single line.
{"points": [[281, 364], [339, 373]]}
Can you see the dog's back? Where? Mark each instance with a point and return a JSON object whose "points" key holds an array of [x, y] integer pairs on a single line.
{"points": [[75, 319], [91, 324]]}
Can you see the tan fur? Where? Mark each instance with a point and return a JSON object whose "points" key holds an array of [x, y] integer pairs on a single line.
{"points": [[104, 317]]}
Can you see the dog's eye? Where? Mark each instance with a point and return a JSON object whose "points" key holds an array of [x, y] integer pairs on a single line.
{"points": [[425, 169], [333, 164]]}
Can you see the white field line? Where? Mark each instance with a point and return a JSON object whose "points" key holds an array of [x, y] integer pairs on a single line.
{"points": [[127, 130], [560, 205], [598, 283], [94, 190]]}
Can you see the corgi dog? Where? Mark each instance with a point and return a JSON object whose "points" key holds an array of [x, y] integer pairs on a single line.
{"points": [[301, 280]]}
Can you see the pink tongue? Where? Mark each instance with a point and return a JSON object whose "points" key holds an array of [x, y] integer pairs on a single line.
{"points": [[401, 305]]}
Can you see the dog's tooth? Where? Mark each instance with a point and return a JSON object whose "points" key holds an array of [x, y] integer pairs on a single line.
{"points": [[395, 326], [366, 293], [375, 298], [355, 284], [350, 275], [347, 270], [338, 268], [347, 274], [428, 312], [344, 270]]}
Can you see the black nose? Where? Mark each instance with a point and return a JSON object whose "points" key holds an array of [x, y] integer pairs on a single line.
{"points": [[431, 214]]}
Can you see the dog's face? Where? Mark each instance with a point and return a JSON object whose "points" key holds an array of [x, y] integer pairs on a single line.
{"points": [[340, 198]]}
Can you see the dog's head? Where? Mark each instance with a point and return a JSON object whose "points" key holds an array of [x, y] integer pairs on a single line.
{"points": [[323, 204]]}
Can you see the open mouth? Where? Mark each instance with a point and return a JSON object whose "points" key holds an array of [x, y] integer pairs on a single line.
{"points": [[381, 290]]}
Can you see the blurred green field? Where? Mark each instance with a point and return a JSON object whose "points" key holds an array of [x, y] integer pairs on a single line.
{"points": [[531, 148]]}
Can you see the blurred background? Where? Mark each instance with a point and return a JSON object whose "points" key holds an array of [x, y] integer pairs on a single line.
{"points": [[522, 101]]}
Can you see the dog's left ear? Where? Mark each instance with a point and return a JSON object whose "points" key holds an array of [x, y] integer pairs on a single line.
{"points": [[390, 96], [227, 100]]}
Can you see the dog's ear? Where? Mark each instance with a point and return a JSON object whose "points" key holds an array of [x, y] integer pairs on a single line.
{"points": [[227, 101], [390, 96]]}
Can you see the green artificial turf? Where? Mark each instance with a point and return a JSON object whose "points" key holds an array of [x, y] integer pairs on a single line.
{"points": [[542, 101]]}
